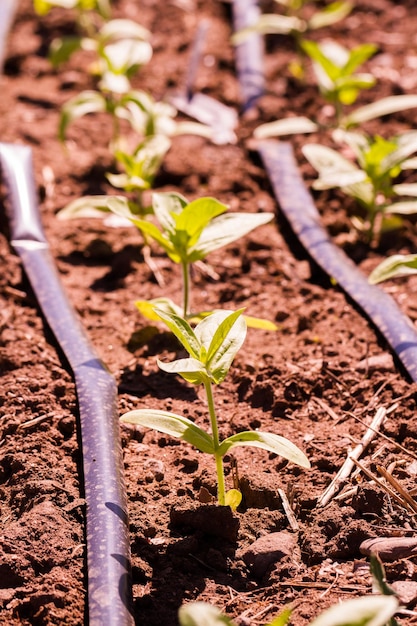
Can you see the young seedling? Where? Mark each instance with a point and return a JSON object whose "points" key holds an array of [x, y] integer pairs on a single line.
{"points": [[187, 232], [211, 346], [295, 22], [372, 184], [335, 71]]}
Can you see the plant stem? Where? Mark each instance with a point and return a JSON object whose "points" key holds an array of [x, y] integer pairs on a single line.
{"points": [[221, 490], [185, 286]]}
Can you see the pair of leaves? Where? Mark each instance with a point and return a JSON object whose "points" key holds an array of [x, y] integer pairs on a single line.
{"points": [[189, 231], [335, 67], [212, 345], [182, 428], [380, 162], [271, 23]]}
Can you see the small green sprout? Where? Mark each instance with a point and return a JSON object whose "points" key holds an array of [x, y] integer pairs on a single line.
{"points": [[211, 346], [372, 184], [335, 71], [295, 22]]}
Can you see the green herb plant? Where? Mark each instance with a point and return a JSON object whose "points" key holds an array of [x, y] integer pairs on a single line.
{"points": [[187, 232], [211, 346], [372, 181], [340, 85], [298, 18]]}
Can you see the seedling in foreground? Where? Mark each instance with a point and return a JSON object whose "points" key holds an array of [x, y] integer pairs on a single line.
{"points": [[211, 346], [372, 183]]}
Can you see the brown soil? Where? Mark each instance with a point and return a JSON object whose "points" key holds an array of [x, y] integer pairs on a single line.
{"points": [[318, 380]]}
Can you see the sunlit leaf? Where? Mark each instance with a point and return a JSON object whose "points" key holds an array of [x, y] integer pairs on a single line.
{"points": [[182, 330], [287, 126], [225, 229], [334, 12], [171, 424], [266, 441], [192, 370], [82, 104], [394, 267], [202, 614], [385, 106], [369, 610]]}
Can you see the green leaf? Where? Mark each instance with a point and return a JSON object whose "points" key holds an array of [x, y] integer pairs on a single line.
{"points": [[196, 216], [82, 104], [192, 370], [148, 308], [358, 56], [221, 334], [402, 208], [270, 24], [287, 126], [182, 331], [266, 441], [334, 12], [260, 323], [225, 229], [202, 614], [124, 29], [394, 267], [61, 49], [90, 206], [165, 205], [283, 618], [405, 189], [366, 611], [173, 425], [385, 106]]}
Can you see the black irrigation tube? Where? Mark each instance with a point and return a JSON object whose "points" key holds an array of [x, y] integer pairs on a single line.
{"points": [[298, 207], [107, 534]]}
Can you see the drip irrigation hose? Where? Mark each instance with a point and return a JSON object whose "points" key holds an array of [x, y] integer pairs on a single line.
{"points": [[298, 207], [7, 11], [107, 536], [249, 53]]}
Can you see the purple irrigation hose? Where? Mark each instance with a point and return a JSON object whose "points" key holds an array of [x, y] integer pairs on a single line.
{"points": [[298, 207], [107, 533], [249, 54], [7, 11]]}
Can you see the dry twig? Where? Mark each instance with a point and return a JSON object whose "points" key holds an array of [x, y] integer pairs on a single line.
{"points": [[349, 464]]}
